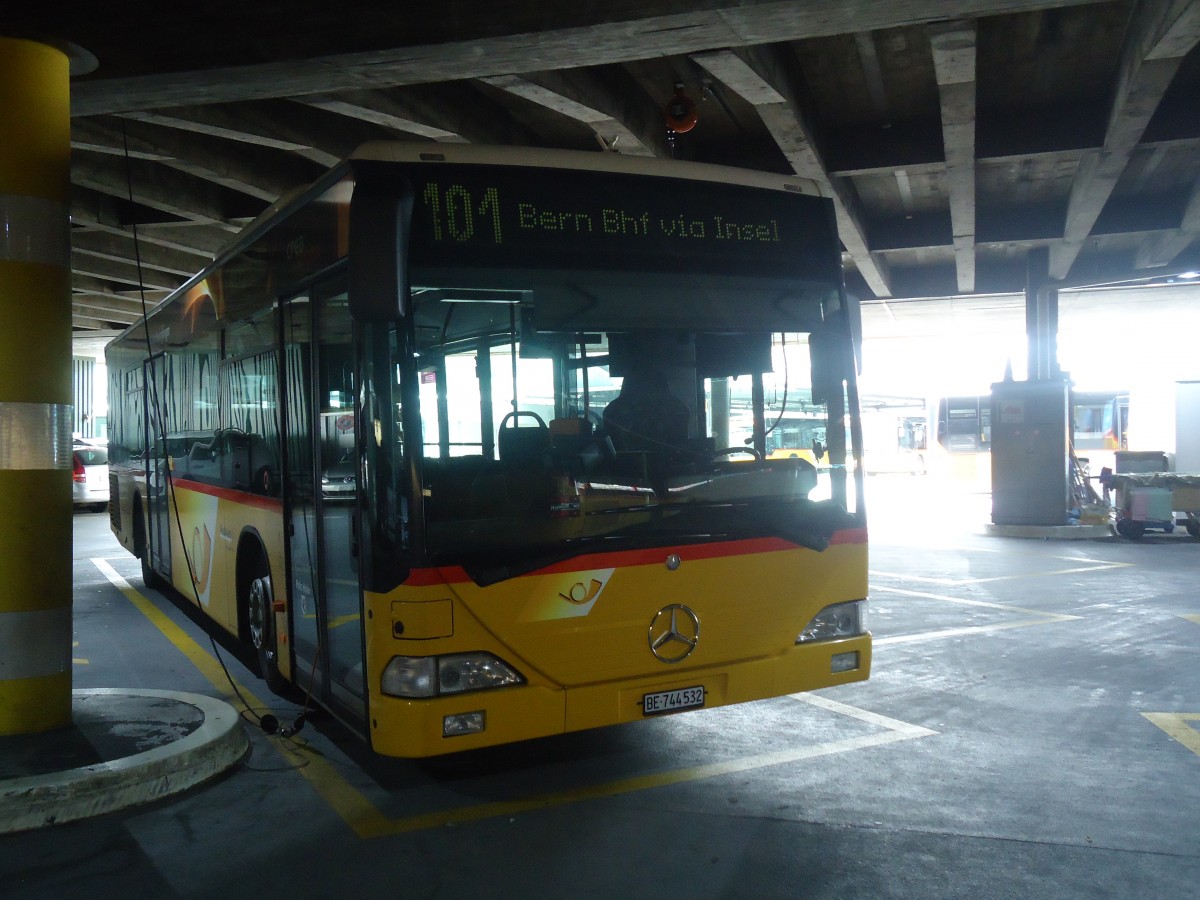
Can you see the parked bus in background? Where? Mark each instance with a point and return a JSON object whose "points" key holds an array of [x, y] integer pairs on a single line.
{"points": [[458, 457], [895, 435], [1100, 422], [962, 426], [799, 434], [964, 433]]}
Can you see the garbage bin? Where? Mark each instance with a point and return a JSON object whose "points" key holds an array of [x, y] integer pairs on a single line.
{"points": [[1136, 462]]}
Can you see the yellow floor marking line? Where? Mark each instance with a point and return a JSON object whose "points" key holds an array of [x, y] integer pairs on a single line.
{"points": [[1191, 617], [1175, 724], [366, 820], [1094, 566], [77, 661], [335, 622], [895, 731], [197, 655], [844, 709], [345, 800], [1039, 617], [966, 601]]}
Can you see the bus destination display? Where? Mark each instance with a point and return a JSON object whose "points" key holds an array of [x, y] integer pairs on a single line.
{"points": [[551, 219]]}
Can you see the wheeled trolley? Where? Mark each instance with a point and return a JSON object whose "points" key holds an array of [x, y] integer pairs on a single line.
{"points": [[1154, 500]]}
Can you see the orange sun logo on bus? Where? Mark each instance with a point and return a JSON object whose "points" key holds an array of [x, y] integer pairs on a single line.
{"points": [[580, 593], [566, 595], [201, 557]]}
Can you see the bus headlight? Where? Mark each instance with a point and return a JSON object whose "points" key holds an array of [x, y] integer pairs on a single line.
{"points": [[454, 673], [840, 620], [410, 676]]}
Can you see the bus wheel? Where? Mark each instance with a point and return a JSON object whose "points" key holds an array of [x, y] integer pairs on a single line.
{"points": [[1193, 527], [260, 617], [141, 549]]}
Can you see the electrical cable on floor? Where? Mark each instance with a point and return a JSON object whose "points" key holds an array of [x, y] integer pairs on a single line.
{"points": [[267, 722]]}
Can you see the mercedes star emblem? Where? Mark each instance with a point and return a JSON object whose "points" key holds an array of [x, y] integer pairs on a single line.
{"points": [[674, 633]]}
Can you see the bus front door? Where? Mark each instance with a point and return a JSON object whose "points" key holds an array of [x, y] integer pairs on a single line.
{"points": [[323, 577], [158, 524]]}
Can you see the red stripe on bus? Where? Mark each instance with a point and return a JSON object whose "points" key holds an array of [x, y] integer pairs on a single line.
{"points": [[430, 577], [246, 499], [849, 536], [452, 574]]}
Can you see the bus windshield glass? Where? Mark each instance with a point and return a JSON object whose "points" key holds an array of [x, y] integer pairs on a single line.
{"points": [[607, 360], [542, 445]]}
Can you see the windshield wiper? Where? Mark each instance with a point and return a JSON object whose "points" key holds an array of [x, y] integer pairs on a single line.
{"points": [[806, 523], [809, 524]]}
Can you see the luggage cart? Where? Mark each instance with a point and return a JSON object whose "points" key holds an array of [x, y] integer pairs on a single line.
{"points": [[1142, 508], [1153, 500]]}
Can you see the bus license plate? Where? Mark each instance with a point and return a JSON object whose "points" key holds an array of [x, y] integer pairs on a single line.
{"points": [[672, 701]]}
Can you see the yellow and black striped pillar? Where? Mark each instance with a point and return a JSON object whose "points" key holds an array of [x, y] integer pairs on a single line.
{"points": [[35, 388]]}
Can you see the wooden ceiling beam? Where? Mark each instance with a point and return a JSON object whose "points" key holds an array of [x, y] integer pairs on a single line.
{"points": [[123, 272], [1161, 33], [455, 113], [120, 247], [1162, 249], [308, 132], [610, 102], [953, 46], [726, 23], [259, 172], [380, 109], [760, 77], [152, 185]]}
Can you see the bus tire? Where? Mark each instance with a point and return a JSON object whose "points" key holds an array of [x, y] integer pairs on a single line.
{"points": [[260, 622], [141, 548]]}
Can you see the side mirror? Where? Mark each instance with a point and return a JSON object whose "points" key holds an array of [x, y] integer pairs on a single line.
{"points": [[380, 221], [835, 349], [830, 366]]}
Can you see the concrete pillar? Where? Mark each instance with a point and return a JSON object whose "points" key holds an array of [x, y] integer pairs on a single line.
{"points": [[35, 388], [1041, 317]]}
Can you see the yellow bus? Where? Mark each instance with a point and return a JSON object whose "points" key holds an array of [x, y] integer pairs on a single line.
{"points": [[960, 440], [895, 435], [437, 438], [963, 427]]}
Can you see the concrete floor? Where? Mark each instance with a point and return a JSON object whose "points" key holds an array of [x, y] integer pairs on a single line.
{"points": [[1031, 729]]}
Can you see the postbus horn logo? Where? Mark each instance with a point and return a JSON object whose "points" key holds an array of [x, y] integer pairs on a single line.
{"points": [[674, 633]]}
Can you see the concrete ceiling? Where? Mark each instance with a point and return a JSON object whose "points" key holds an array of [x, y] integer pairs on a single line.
{"points": [[954, 137]]}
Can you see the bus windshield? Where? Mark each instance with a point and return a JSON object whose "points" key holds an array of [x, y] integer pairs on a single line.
{"points": [[540, 445]]}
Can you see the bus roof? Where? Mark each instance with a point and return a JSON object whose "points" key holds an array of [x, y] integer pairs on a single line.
{"points": [[483, 155], [587, 160]]}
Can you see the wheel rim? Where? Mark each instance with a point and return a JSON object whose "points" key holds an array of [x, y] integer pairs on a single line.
{"points": [[259, 600]]}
